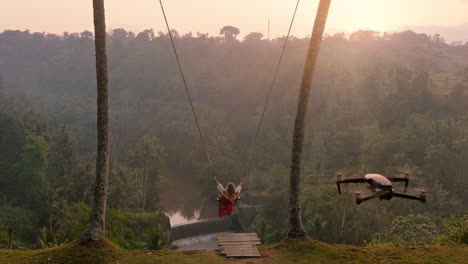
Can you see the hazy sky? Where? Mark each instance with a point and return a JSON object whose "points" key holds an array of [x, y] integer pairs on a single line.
{"points": [[208, 16]]}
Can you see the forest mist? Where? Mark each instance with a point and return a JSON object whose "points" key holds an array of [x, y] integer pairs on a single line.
{"points": [[384, 103]]}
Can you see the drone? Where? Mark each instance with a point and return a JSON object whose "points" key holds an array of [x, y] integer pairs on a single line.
{"points": [[381, 187]]}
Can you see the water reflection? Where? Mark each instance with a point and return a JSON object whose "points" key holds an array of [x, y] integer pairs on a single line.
{"points": [[178, 218], [184, 201]]}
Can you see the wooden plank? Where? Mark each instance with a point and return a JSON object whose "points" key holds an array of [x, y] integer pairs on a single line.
{"points": [[232, 241], [247, 238], [226, 242], [240, 250], [242, 241], [244, 236], [237, 251], [220, 237], [239, 240], [238, 244], [239, 237], [240, 254], [236, 234], [221, 243]]}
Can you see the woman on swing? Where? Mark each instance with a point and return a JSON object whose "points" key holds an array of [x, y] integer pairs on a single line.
{"points": [[227, 197]]}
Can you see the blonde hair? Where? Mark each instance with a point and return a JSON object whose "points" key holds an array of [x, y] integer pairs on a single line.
{"points": [[231, 192]]}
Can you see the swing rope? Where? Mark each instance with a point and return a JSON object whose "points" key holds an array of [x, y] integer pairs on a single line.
{"points": [[252, 145], [187, 91]]}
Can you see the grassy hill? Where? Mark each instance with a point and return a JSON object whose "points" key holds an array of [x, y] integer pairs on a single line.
{"points": [[286, 252]]}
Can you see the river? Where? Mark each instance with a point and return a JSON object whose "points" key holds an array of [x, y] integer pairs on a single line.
{"points": [[186, 203]]}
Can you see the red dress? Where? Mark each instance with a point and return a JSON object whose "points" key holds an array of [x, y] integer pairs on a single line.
{"points": [[225, 206]]}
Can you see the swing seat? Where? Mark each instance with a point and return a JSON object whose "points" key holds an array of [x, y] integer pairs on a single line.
{"points": [[222, 211], [237, 199]]}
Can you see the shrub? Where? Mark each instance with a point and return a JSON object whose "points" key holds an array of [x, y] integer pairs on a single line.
{"points": [[410, 230], [456, 231]]}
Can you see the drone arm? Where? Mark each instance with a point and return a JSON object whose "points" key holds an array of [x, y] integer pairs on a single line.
{"points": [[400, 179], [358, 180], [338, 186], [421, 198], [371, 196]]}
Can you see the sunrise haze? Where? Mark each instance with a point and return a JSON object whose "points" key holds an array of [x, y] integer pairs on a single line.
{"points": [[447, 17]]}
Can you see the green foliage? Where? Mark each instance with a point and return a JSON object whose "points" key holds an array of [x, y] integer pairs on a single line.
{"points": [[75, 225], [456, 231], [119, 232], [32, 167], [20, 221], [271, 223], [50, 238], [411, 229], [147, 159], [157, 239], [376, 107], [128, 230], [3, 235]]}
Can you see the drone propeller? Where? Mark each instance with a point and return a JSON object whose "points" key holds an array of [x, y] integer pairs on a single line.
{"points": [[414, 173], [419, 190], [422, 193], [339, 177]]}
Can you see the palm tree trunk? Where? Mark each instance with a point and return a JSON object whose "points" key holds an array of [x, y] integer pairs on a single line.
{"points": [[10, 238], [296, 229], [145, 181], [96, 224]]}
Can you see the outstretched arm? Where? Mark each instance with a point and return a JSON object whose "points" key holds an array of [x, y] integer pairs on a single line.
{"points": [[215, 180], [219, 186]]}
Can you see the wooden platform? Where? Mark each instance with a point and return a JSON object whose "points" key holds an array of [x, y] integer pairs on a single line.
{"points": [[238, 244]]}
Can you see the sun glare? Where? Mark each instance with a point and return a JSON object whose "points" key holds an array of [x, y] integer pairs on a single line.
{"points": [[363, 14]]}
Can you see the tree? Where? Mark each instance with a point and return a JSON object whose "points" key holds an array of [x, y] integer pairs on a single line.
{"points": [[364, 35], [411, 229], [147, 159], [146, 35], [32, 167], [229, 32], [254, 36], [94, 230], [87, 34], [296, 229], [19, 222]]}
